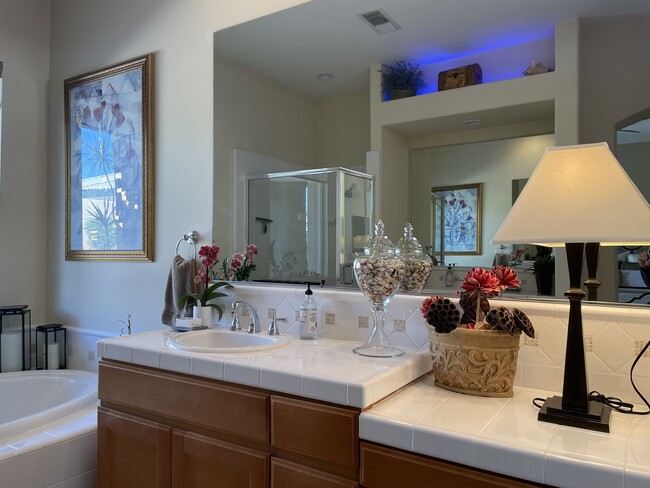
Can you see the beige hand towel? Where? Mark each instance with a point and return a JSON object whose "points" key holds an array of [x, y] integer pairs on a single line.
{"points": [[180, 282]]}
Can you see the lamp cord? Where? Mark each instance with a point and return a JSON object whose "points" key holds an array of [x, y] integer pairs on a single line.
{"points": [[614, 402]]}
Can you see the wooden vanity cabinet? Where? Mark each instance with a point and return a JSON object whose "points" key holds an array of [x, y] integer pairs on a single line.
{"points": [[385, 467], [161, 429]]}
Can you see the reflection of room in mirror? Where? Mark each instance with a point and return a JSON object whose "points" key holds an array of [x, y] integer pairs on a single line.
{"points": [[320, 219], [633, 152], [493, 163], [268, 99]]}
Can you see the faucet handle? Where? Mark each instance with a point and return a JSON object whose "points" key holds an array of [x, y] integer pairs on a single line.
{"points": [[236, 326], [274, 330]]}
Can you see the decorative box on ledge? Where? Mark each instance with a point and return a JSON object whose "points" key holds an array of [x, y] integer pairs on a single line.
{"points": [[458, 77]]}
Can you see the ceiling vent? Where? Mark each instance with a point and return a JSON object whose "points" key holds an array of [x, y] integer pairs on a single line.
{"points": [[380, 21]]}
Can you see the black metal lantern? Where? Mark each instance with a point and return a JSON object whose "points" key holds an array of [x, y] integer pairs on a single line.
{"points": [[51, 350], [15, 341]]}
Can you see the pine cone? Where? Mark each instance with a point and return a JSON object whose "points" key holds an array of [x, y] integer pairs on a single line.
{"points": [[523, 323], [501, 318], [443, 315]]}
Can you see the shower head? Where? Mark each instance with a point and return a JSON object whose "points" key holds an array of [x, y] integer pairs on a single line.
{"points": [[348, 192]]}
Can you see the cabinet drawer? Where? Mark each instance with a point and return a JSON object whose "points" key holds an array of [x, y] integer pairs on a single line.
{"points": [[285, 474], [185, 401], [316, 431], [387, 468]]}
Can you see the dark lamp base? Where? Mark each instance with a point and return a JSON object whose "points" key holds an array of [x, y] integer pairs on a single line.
{"points": [[597, 418]]}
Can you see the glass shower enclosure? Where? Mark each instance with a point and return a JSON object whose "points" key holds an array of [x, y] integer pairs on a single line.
{"points": [[309, 224]]}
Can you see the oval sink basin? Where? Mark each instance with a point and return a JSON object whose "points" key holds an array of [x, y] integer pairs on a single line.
{"points": [[221, 341]]}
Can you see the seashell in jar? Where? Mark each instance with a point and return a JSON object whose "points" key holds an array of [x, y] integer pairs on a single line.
{"points": [[416, 274], [378, 279]]}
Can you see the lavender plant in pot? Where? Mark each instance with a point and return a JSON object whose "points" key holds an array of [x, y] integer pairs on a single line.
{"points": [[401, 80], [476, 352]]}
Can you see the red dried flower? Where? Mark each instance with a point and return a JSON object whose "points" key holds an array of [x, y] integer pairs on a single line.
{"points": [[507, 277], [426, 304], [479, 279]]}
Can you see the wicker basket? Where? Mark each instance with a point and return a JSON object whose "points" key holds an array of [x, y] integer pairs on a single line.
{"points": [[476, 362]]}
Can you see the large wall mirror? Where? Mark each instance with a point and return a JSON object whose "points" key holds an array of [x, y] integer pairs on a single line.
{"points": [[296, 86]]}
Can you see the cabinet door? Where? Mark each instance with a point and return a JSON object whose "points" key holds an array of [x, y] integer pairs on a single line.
{"points": [[132, 452], [203, 462]]}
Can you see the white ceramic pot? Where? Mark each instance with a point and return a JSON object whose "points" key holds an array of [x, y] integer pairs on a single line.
{"points": [[206, 314]]}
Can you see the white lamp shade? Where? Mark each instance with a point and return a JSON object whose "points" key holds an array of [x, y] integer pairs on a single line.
{"points": [[578, 194]]}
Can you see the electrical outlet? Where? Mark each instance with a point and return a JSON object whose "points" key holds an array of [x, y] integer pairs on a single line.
{"points": [[91, 355]]}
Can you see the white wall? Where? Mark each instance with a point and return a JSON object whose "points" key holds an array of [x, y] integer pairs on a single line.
{"points": [[24, 49], [89, 35], [343, 130]]}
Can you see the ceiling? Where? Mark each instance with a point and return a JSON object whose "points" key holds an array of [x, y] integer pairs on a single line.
{"points": [[328, 36]]}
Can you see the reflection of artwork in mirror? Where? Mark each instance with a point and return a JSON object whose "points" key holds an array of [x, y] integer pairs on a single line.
{"points": [[109, 173], [457, 218]]}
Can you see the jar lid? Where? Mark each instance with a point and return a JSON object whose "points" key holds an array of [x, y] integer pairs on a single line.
{"points": [[408, 243], [379, 241]]}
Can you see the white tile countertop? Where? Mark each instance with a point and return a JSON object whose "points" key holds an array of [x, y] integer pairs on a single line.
{"points": [[503, 435], [324, 369]]}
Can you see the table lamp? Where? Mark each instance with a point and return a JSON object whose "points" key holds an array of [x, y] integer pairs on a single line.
{"points": [[577, 195]]}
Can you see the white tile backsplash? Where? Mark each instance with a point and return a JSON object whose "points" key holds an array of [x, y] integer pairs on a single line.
{"points": [[617, 332]]}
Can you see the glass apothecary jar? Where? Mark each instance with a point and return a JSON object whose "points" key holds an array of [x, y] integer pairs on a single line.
{"points": [[379, 272], [417, 264]]}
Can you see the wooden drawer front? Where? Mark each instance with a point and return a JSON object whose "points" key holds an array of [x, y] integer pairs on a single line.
{"points": [[132, 452], [285, 474], [387, 468], [200, 462], [318, 431], [192, 401]]}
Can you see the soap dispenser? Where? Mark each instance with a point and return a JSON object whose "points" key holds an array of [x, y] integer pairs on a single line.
{"points": [[449, 275], [308, 315]]}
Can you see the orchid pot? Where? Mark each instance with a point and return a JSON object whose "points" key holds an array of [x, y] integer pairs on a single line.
{"points": [[206, 314]]}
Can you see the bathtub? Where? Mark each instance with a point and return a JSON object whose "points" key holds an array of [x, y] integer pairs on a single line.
{"points": [[48, 425], [36, 398]]}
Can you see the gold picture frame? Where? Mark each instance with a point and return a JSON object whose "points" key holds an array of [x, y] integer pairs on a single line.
{"points": [[109, 163], [461, 205]]}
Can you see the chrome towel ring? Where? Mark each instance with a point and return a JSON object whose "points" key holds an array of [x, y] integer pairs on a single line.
{"points": [[191, 237]]}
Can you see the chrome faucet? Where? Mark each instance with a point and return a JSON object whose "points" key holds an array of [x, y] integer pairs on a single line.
{"points": [[254, 325]]}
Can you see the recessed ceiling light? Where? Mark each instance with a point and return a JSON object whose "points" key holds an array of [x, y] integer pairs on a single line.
{"points": [[324, 76], [471, 122]]}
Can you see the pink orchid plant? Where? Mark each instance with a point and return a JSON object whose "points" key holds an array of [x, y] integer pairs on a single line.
{"points": [[208, 290], [241, 264]]}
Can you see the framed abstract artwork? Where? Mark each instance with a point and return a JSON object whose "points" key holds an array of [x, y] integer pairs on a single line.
{"points": [[457, 219], [109, 163]]}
